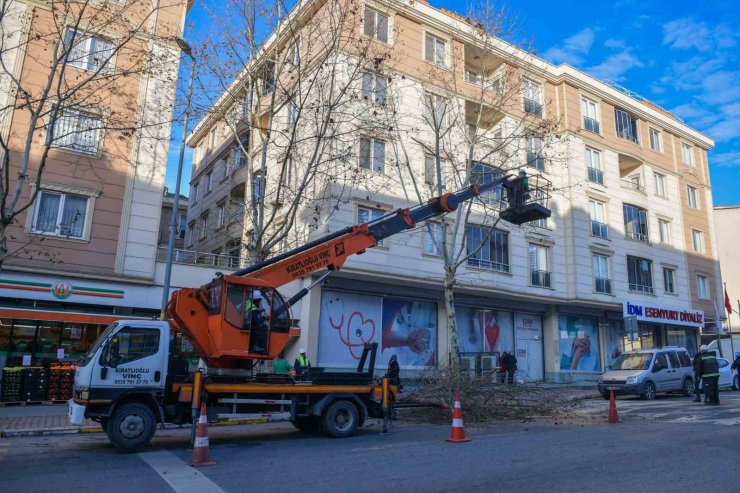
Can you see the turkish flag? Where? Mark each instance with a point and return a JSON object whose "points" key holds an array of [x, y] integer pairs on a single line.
{"points": [[728, 305]]}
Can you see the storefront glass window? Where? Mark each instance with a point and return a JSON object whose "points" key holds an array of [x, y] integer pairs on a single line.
{"points": [[685, 338], [23, 341], [579, 343], [48, 342], [6, 325], [481, 330], [617, 340]]}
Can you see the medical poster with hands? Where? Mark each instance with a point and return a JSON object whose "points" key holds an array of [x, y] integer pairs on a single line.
{"points": [[579, 343]]}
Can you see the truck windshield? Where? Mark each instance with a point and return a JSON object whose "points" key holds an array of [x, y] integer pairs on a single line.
{"points": [[632, 361], [91, 352]]}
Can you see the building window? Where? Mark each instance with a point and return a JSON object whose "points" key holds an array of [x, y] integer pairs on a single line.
{"points": [[87, 52], [691, 192], [203, 226], [367, 214], [532, 97], [635, 223], [539, 265], [376, 25], [593, 160], [435, 50], [77, 131], [540, 223], [702, 287], [669, 280], [374, 87], [212, 138], [590, 115], [473, 77], [534, 153], [487, 248], [603, 283], [194, 192], [292, 113], [655, 140], [626, 126], [432, 243], [60, 214], [483, 174], [183, 226], [191, 234], [372, 154], [697, 238], [686, 154], [221, 214], [665, 231], [430, 171], [659, 185], [435, 110], [209, 181], [640, 274], [597, 211]]}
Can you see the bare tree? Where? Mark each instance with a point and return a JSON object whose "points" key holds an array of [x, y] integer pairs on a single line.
{"points": [[293, 104], [74, 91], [472, 130]]}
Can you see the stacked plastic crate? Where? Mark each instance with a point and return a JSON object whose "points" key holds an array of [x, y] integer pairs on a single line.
{"points": [[12, 384], [61, 380], [35, 383]]}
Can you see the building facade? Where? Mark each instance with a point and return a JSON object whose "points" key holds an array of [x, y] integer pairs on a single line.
{"points": [[627, 260], [165, 220], [85, 252], [726, 218]]}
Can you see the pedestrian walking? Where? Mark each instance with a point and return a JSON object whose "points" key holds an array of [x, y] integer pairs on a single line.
{"points": [[697, 377], [710, 375], [510, 363]]}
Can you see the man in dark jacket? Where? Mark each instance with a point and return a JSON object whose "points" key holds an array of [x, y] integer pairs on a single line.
{"points": [[697, 378], [394, 371], [301, 365], [710, 374], [510, 362], [736, 366]]}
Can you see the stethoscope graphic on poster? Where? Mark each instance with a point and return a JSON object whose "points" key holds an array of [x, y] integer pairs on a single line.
{"points": [[358, 330]]}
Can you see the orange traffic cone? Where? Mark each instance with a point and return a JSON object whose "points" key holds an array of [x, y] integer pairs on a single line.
{"points": [[458, 430], [201, 449], [613, 416]]}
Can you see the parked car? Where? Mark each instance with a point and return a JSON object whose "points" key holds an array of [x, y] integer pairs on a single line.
{"points": [[727, 377], [645, 372]]}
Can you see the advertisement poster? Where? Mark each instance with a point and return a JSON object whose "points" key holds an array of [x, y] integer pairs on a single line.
{"points": [[615, 337], [484, 331], [579, 343], [405, 328]]}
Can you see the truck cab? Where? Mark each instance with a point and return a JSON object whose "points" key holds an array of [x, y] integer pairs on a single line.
{"points": [[120, 382]]}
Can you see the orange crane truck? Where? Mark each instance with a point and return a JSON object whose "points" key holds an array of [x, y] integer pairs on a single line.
{"points": [[130, 380]]}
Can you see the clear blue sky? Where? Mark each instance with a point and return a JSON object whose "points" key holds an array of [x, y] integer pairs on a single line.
{"points": [[683, 55]]}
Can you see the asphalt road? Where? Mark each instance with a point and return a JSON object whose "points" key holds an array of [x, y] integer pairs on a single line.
{"points": [[638, 454]]}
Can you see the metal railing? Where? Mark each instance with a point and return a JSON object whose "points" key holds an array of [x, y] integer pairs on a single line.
{"points": [[191, 257], [633, 185], [628, 135], [641, 288], [634, 235], [595, 175], [540, 278], [603, 285], [532, 106], [591, 124], [488, 265], [599, 229]]}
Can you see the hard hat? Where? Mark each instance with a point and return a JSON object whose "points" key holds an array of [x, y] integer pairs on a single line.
{"points": [[302, 351], [703, 348]]}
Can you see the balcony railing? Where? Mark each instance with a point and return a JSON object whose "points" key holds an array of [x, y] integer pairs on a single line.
{"points": [[591, 125], [641, 288], [488, 265], [532, 106], [599, 229], [628, 135], [603, 285], [637, 236], [191, 257], [633, 185], [540, 278], [595, 175]]}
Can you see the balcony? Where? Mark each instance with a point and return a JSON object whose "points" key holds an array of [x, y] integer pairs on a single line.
{"points": [[488, 265], [603, 285], [641, 288], [540, 278], [190, 257], [595, 176], [634, 235], [533, 107], [599, 229], [591, 125], [633, 185]]}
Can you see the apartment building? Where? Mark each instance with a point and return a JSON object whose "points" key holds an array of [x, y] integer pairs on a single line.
{"points": [[727, 217], [627, 260], [165, 220], [85, 249]]}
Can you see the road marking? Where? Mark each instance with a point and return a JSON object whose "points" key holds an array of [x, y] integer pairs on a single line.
{"points": [[181, 477]]}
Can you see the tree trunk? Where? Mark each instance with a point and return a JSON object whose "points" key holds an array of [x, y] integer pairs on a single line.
{"points": [[449, 295], [3, 243]]}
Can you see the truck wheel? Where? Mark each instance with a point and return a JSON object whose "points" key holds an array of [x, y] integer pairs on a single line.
{"points": [[340, 419], [309, 424], [648, 392], [104, 425], [131, 427], [688, 387]]}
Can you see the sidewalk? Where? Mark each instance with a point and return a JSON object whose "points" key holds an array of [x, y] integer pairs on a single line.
{"points": [[37, 420]]}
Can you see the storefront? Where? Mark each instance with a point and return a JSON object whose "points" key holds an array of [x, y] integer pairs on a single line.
{"points": [[650, 325]]}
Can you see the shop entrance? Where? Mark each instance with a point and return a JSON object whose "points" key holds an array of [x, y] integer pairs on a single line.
{"points": [[529, 347]]}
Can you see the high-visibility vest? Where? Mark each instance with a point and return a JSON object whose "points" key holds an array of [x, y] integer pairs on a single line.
{"points": [[303, 360]]}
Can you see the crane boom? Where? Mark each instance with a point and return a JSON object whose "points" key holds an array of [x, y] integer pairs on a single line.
{"points": [[241, 316]]}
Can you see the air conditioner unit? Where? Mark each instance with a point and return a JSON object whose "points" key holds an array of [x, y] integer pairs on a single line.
{"points": [[467, 364], [488, 363]]}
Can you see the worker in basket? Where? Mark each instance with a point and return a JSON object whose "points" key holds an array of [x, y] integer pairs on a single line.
{"points": [[301, 365]]}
